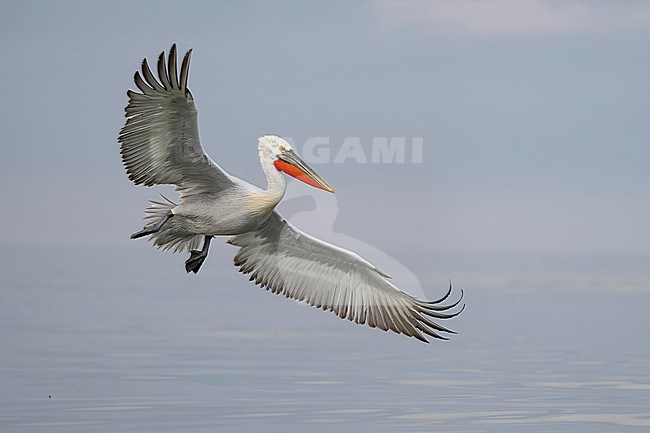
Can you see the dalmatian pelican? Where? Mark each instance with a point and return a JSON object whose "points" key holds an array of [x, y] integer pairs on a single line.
{"points": [[160, 144]]}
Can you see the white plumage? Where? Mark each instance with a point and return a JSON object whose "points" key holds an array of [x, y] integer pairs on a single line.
{"points": [[160, 145]]}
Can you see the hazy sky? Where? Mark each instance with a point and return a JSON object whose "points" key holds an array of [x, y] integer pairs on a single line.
{"points": [[533, 116]]}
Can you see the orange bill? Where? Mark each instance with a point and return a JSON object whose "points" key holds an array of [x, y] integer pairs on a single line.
{"points": [[291, 164]]}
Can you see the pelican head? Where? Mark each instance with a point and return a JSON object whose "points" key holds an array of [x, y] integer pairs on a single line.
{"points": [[286, 160]]}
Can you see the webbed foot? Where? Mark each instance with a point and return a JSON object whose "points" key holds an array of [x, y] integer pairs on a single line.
{"points": [[153, 229], [193, 264]]}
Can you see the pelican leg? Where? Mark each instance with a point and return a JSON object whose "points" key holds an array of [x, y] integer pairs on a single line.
{"points": [[193, 264], [151, 230]]}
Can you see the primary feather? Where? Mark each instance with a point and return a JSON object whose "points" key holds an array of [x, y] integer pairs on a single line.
{"points": [[287, 261]]}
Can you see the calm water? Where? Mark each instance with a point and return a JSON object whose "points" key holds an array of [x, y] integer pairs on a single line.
{"points": [[119, 349]]}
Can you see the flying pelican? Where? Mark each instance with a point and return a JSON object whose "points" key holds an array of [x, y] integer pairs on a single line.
{"points": [[160, 145]]}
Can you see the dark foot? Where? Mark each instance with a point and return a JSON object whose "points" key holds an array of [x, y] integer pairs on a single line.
{"points": [[143, 232], [154, 229], [193, 264]]}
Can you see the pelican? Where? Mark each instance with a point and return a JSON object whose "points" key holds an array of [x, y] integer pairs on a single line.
{"points": [[159, 144]]}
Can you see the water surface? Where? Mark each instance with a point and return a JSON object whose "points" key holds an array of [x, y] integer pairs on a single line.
{"points": [[112, 348]]}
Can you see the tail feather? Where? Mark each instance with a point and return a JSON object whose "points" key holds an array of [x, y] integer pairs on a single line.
{"points": [[167, 238], [158, 210]]}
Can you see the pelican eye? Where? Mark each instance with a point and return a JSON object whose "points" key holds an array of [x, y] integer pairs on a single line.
{"points": [[282, 148]]}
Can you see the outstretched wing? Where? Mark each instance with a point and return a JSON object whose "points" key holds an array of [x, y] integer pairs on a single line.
{"points": [[160, 140], [285, 260]]}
